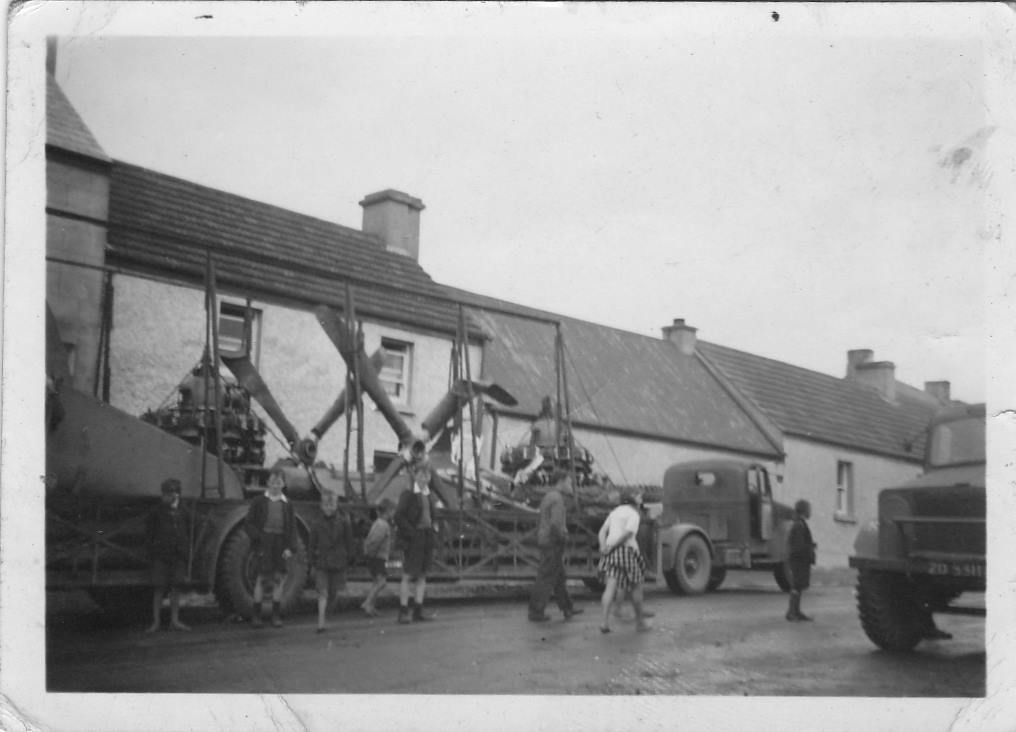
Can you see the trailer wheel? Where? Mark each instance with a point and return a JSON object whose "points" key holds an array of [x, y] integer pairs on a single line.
{"points": [[716, 578], [890, 612], [692, 567], [237, 573], [780, 575]]}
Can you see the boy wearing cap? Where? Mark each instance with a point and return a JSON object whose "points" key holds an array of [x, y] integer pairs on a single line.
{"points": [[801, 557], [376, 549], [271, 526], [167, 547]]}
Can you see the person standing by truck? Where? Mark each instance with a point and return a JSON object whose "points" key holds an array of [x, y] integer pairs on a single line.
{"points": [[271, 525], [167, 542], [331, 545], [801, 555], [414, 519], [622, 565], [376, 549], [551, 537]]}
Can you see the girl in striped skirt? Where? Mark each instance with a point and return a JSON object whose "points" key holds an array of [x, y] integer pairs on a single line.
{"points": [[622, 565]]}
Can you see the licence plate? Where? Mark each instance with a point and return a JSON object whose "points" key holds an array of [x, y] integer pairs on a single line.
{"points": [[974, 570]]}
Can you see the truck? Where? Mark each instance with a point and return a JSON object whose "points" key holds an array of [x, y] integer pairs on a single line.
{"points": [[926, 548], [716, 515], [105, 466]]}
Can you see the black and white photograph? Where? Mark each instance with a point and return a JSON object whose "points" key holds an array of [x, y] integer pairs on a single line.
{"points": [[470, 365]]}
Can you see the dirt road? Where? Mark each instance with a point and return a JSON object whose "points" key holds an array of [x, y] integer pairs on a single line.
{"points": [[731, 642]]}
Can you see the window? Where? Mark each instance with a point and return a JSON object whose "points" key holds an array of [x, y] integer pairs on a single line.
{"points": [[844, 490], [396, 369], [239, 331]]}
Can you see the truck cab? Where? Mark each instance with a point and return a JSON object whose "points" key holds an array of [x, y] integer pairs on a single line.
{"points": [[927, 546], [719, 514]]}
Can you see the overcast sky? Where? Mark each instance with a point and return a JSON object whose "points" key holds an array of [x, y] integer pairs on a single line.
{"points": [[794, 188]]}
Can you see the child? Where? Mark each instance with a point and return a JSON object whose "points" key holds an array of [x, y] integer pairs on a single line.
{"points": [[167, 541], [622, 565], [800, 558], [376, 548], [272, 530], [331, 544]]}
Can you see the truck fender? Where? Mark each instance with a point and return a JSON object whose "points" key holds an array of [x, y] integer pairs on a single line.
{"points": [[866, 543], [224, 526], [670, 538]]}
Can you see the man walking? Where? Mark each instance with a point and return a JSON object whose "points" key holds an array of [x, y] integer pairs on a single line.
{"points": [[551, 537]]}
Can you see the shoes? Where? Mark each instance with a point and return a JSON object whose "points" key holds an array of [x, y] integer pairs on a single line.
{"points": [[276, 622], [643, 627], [257, 622], [604, 630], [418, 614], [321, 630], [937, 634], [806, 618], [404, 618], [572, 612], [648, 613], [539, 618]]}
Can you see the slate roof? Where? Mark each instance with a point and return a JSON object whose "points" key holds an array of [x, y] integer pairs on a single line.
{"points": [[616, 380], [161, 223], [828, 409], [64, 128]]}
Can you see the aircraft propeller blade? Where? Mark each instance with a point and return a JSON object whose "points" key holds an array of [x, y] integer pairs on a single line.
{"points": [[249, 378], [336, 330], [456, 397]]}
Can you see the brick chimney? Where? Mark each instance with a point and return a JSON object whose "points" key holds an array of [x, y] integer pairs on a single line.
{"points": [[938, 389], [879, 374], [394, 216], [681, 335], [857, 357]]}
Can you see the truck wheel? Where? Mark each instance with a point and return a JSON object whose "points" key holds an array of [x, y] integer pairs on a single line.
{"points": [[780, 575], [237, 573], [891, 615], [716, 578], [692, 567]]}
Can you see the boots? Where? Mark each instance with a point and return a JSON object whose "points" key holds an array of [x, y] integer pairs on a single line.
{"points": [[276, 615], [404, 615], [794, 613], [418, 611], [255, 618]]}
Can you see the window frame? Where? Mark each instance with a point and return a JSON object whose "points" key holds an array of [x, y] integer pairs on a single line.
{"points": [[405, 379], [845, 489], [251, 339]]}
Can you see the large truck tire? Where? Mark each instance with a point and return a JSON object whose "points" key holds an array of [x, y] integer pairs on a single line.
{"points": [[891, 614], [234, 587], [692, 567], [780, 575], [716, 578]]}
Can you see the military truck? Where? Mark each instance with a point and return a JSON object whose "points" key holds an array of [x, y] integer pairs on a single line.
{"points": [[927, 546], [720, 514]]}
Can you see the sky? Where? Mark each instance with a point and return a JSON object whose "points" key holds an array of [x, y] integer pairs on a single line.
{"points": [[793, 187]]}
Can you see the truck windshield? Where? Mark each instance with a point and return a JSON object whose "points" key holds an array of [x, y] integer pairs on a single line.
{"points": [[956, 443]]}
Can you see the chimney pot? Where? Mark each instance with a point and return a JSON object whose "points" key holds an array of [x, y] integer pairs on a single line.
{"points": [[394, 217], [681, 335]]}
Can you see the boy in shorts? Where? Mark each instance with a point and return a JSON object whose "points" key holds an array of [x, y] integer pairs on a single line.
{"points": [[167, 542], [331, 544], [376, 550], [272, 529]]}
